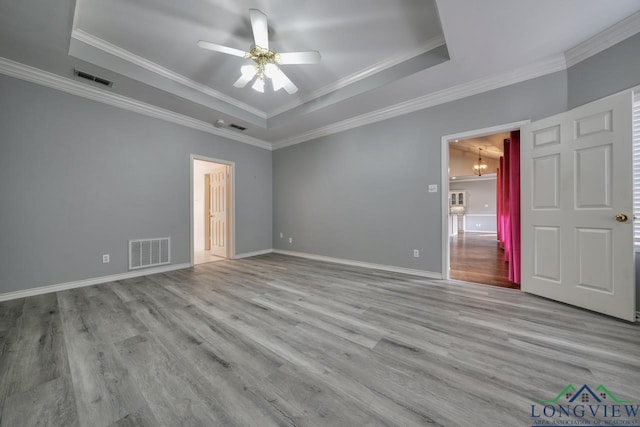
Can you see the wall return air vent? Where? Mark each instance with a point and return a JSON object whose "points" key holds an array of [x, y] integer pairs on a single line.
{"points": [[149, 252], [238, 127], [92, 78]]}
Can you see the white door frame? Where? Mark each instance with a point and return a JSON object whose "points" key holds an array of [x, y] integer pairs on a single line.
{"points": [[446, 250], [232, 216]]}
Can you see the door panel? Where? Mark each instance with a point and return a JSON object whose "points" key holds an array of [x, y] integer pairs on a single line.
{"points": [[595, 254], [593, 177], [546, 252], [218, 213], [546, 182], [207, 212], [576, 176]]}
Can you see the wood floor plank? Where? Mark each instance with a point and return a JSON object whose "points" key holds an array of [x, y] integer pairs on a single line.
{"points": [[142, 417], [105, 392], [35, 352], [477, 257], [10, 312], [49, 404], [166, 387], [282, 341], [264, 332], [221, 385], [11, 319]]}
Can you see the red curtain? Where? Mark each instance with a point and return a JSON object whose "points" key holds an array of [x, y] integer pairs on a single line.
{"points": [[508, 198], [499, 199], [514, 206]]}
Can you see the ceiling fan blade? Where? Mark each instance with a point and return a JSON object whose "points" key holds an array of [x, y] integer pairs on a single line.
{"points": [[310, 57], [260, 28], [224, 49], [248, 73], [279, 79]]}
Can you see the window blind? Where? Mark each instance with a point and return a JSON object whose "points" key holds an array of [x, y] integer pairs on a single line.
{"points": [[636, 168]]}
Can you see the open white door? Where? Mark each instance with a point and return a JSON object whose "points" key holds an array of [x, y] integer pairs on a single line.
{"points": [[219, 211], [577, 198]]}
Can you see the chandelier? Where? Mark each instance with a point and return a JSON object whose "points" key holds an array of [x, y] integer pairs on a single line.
{"points": [[480, 166]]}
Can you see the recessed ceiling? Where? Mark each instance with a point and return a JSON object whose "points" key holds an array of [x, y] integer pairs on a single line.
{"points": [[355, 38], [376, 54]]}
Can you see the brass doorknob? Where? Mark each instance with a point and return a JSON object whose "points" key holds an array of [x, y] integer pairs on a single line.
{"points": [[621, 218]]}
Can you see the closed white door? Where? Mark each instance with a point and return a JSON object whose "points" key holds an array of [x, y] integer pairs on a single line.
{"points": [[218, 211], [577, 197]]}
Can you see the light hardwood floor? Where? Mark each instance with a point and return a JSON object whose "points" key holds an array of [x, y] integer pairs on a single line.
{"points": [[276, 340]]}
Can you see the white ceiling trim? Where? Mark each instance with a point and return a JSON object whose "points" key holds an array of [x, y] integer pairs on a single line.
{"points": [[359, 75], [54, 81], [548, 66], [604, 40], [125, 55]]}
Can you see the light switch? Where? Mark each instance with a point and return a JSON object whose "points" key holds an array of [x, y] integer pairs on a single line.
{"points": [[433, 188]]}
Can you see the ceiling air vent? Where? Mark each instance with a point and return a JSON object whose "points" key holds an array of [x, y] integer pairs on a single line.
{"points": [[93, 78], [235, 126]]}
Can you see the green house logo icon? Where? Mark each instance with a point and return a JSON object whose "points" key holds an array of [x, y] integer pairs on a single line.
{"points": [[585, 394]]}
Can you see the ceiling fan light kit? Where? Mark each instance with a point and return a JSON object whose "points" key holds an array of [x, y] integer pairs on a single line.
{"points": [[265, 60]]}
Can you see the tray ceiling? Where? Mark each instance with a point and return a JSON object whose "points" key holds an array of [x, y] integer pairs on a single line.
{"points": [[376, 54]]}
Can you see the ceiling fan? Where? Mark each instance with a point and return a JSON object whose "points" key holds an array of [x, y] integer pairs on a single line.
{"points": [[265, 60]]}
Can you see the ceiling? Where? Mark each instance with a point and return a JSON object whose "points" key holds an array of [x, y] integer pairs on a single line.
{"points": [[375, 53], [491, 145]]}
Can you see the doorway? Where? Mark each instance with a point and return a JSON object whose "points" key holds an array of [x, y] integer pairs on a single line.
{"points": [[471, 249], [212, 207]]}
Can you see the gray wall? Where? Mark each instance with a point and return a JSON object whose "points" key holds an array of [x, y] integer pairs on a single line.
{"points": [[362, 194], [478, 194], [606, 73], [79, 178]]}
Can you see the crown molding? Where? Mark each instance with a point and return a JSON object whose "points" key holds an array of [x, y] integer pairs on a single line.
{"points": [[604, 40], [54, 81], [548, 66], [125, 55], [360, 75]]}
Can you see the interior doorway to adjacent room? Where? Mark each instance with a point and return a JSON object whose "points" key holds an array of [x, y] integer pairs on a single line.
{"points": [[212, 210], [473, 249]]}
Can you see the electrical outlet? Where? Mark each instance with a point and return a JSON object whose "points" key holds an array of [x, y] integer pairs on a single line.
{"points": [[433, 188], [281, 235], [416, 253], [290, 239], [106, 259]]}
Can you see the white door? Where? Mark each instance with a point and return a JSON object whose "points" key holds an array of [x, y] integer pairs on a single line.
{"points": [[218, 211], [576, 173]]}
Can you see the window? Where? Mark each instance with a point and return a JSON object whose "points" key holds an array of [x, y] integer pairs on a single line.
{"points": [[636, 169]]}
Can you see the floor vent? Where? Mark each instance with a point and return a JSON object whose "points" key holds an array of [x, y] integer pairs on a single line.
{"points": [[149, 252], [93, 78]]}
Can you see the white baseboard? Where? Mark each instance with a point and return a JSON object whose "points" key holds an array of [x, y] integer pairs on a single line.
{"points": [[421, 273], [255, 253], [480, 231], [89, 282]]}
